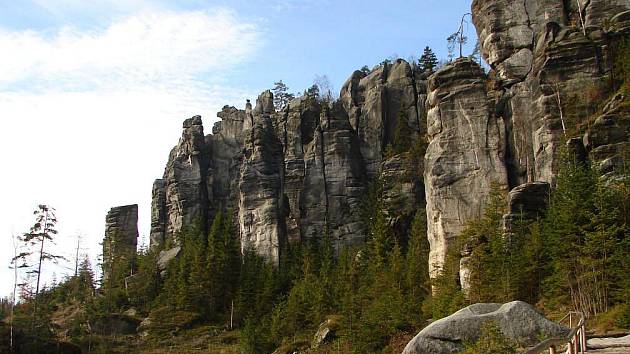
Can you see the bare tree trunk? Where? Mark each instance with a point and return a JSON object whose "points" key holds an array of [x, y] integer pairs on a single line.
{"points": [[232, 316], [564, 128], [39, 269], [579, 3], [76, 256]]}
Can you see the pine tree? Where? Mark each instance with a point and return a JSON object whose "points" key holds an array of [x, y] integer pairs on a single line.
{"points": [[428, 61], [43, 230], [281, 95], [417, 266], [489, 252], [312, 92], [476, 54], [403, 135]]}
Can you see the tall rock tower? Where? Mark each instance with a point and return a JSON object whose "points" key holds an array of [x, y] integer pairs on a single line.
{"points": [[121, 239]]}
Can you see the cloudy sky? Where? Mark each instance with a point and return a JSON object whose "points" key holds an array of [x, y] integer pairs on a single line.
{"points": [[93, 93]]}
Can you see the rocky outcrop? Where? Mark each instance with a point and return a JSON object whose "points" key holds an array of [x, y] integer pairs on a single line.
{"points": [[550, 59], [260, 188], [299, 173], [298, 125], [302, 172], [377, 102], [607, 139], [185, 188], [525, 203], [344, 179], [465, 156], [200, 177], [158, 213], [529, 199], [621, 344], [517, 320], [403, 190], [114, 324], [121, 236], [326, 332]]}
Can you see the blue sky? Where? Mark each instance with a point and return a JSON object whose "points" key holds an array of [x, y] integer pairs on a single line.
{"points": [[298, 39], [94, 92]]}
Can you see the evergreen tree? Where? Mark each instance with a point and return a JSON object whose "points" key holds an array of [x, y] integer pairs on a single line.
{"points": [[417, 267], [476, 54], [489, 252], [428, 61], [43, 230], [281, 95], [312, 92], [403, 135]]}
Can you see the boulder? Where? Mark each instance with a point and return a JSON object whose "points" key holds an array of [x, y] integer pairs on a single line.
{"points": [[530, 199], [526, 202], [517, 320], [114, 324], [165, 257], [326, 332]]}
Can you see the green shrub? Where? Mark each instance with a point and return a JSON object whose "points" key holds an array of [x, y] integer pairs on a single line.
{"points": [[491, 341]]}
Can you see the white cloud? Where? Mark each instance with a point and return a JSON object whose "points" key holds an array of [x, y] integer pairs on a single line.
{"points": [[146, 47], [292, 5], [88, 118]]}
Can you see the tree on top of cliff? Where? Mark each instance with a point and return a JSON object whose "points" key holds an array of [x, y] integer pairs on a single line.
{"points": [[312, 92], [428, 61], [281, 95], [325, 88], [458, 39]]}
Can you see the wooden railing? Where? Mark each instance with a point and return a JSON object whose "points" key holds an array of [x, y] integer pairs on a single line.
{"points": [[574, 341]]}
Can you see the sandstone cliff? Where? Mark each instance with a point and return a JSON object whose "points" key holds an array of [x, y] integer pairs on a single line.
{"points": [[121, 236], [302, 172]]}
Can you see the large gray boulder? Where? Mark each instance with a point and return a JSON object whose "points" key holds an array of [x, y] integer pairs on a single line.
{"points": [[517, 320]]}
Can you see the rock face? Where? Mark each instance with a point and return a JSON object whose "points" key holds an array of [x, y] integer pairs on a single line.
{"points": [[291, 175], [185, 176], [121, 235], [527, 201], [260, 188], [550, 59], [377, 102], [607, 138], [517, 320], [465, 155], [300, 173]]}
